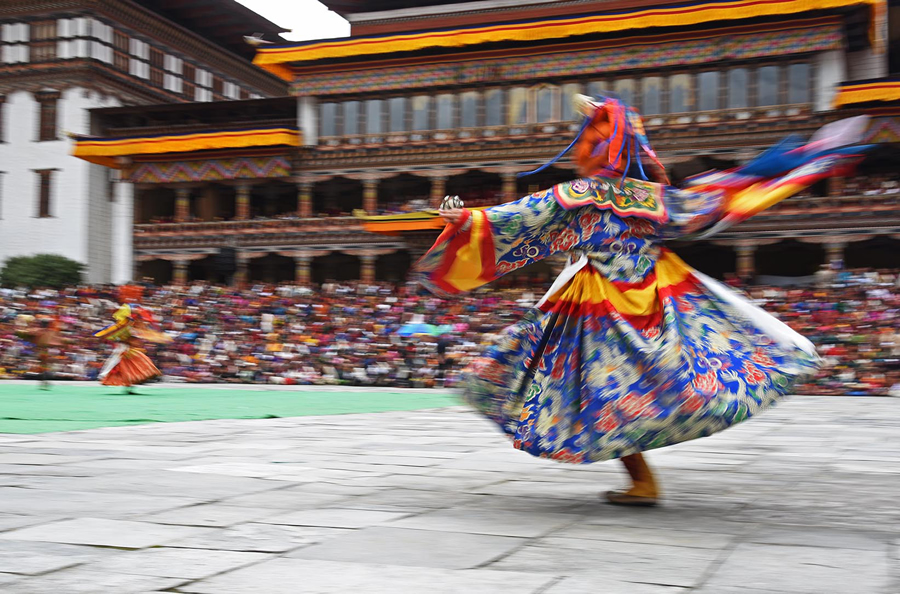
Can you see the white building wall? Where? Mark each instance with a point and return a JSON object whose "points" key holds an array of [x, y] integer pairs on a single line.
{"points": [[122, 233], [67, 231]]}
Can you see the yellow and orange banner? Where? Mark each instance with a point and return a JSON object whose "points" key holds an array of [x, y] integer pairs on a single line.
{"points": [[104, 151]]}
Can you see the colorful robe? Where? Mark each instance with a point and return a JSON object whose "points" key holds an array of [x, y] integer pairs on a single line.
{"points": [[631, 349], [128, 365]]}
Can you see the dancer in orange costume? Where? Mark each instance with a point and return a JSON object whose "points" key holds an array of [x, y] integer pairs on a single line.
{"points": [[45, 337], [129, 366]]}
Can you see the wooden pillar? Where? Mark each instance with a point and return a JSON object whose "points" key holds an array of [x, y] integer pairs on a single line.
{"points": [[242, 204], [182, 205], [240, 275], [509, 186], [302, 269], [834, 255], [438, 190], [370, 196], [180, 272], [746, 265], [209, 203], [367, 268], [835, 186], [304, 200]]}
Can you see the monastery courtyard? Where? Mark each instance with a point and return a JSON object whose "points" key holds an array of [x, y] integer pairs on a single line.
{"points": [[387, 491]]}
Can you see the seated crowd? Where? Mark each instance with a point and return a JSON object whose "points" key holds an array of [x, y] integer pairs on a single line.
{"points": [[353, 333]]}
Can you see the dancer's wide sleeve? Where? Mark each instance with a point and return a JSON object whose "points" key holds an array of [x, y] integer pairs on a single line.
{"points": [[486, 244]]}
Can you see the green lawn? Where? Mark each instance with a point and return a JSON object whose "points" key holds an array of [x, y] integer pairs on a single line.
{"points": [[70, 406]]}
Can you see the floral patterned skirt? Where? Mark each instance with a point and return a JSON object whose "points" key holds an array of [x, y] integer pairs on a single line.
{"points": [[598, 371]]}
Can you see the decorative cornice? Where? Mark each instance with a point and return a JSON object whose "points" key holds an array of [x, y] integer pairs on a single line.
{"points": [[277, 59]]}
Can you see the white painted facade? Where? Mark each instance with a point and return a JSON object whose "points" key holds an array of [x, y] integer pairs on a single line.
{"points": [[81, 222], [90, 219]]}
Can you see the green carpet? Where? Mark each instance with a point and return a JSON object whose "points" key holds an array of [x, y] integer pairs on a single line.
{"points": [[70, 407]]}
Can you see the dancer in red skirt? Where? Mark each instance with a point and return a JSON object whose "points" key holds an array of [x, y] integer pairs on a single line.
{"points": [[129, 366]]}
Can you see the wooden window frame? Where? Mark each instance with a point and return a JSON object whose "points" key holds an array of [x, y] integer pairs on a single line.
{"points": [[44, 193], [48, 103]]}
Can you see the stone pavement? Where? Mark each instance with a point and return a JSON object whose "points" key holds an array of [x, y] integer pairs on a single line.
{"points": [[804, 499]]}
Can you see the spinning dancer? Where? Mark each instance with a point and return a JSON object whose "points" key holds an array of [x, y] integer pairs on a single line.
{"points": [[630, 349], [129, 366], [45, 337]]}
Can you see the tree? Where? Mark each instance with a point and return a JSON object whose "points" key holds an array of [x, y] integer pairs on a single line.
{"points": [[42, 270]]}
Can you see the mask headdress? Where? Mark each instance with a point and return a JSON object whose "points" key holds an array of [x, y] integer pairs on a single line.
{"points": [[611, 139]]}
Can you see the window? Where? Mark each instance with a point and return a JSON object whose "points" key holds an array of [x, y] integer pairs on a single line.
{"points": [[445, 112], [2, 126], [596, 88], [397, 114], [43, 30], [351, 117], [767, 86], [624, 88], [651, 95], [468, 109], [217, 85], [543, 99], [47, 116], [120, 41], [45, 177], [421, 112], [190, 75], [708, 83], [518, 106], [328, 119], [374, 116], [43, 37], [738, 83], [567, 102], [798, 83], [680, 93], [493, 107], [156, 64]]}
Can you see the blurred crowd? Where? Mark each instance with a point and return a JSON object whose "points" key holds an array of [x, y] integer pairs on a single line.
{"points": [[380, 335]]}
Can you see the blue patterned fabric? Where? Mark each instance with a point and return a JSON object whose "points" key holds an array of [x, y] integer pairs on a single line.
{"points": [[583, 378]]}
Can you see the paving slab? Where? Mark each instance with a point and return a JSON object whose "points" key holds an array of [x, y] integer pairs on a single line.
{"points": [[262, 538], [177, 563], [214, 515], [83, 581], [803, 569], [496, 522], [303, 576], [334, 518], [418, 548], [32, 558], [102, 532]]}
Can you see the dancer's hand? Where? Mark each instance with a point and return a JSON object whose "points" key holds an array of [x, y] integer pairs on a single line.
{"points": [[453, 215]]}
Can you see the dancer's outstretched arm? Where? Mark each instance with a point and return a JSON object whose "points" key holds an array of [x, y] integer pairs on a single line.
{"points": [[478, 246]]}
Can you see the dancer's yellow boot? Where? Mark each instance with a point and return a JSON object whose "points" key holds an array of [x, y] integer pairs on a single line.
{"points": [[643, 491]]}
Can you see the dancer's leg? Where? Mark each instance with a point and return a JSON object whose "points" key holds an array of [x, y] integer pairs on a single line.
{"points": [[643, 490]]}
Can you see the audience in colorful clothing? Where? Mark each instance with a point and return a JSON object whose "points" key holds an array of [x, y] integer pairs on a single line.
{"points": [[353, 333]]}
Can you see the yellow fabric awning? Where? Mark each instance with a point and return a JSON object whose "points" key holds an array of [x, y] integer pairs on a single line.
{"points": [[104, 151], [867, 91], [277, 59]]}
